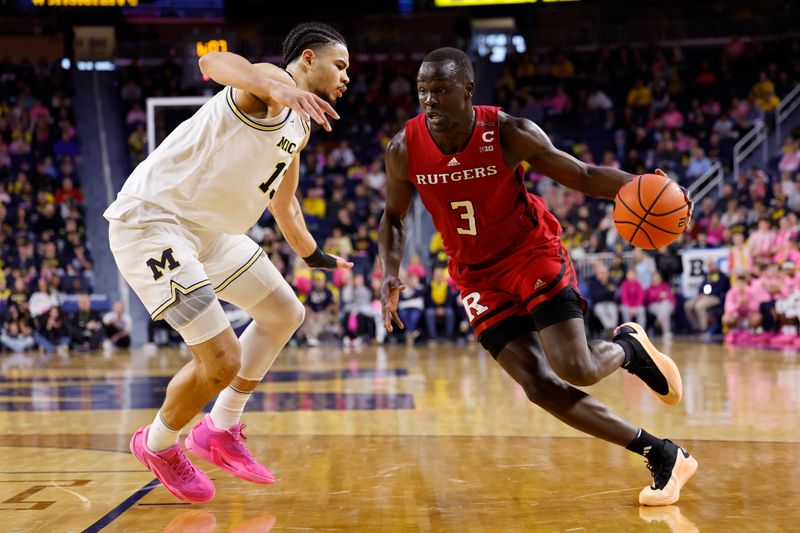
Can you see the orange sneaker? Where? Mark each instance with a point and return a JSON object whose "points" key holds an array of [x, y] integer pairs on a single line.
{"points": [[671, 469], [656, 369]]}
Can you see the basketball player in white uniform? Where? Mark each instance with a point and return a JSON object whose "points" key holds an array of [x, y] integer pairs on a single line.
{"points": [[177, 231]]}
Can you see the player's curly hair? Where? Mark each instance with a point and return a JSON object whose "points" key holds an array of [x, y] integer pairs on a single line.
{"points": [[311, 35]]}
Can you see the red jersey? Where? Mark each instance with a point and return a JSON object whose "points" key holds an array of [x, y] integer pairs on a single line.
{"points": [[480, 206]]}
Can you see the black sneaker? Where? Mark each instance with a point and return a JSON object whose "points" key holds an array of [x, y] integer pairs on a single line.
{"points": [[656, 369], [671, 467]]}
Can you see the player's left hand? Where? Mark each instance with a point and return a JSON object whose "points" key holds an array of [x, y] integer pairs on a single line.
{"points": [[390, 298], [342, 263], [686, 194]]}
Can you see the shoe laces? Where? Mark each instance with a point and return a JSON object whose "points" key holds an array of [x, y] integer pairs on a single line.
{"points": [[181, 465], [238, 436], [657, 470]]}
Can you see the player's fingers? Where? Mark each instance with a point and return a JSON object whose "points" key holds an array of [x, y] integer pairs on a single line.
{"points": [[315, 114], [298, 108], [661, 173], [396, 318], [387, 320], [326, 107], [319, 113]]}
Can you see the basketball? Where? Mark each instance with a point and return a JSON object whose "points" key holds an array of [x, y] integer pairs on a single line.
{"points": [[650, 211]]}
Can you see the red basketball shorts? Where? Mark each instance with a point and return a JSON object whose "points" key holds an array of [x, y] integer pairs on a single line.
{"points": [[528, 290]]}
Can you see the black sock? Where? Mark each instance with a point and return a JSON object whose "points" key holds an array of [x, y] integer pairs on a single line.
{"points": [[627, 347], [644, 442]]}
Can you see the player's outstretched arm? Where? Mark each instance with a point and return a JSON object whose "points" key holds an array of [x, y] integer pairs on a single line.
{"points": [[523, 140], [392, 234], [289, 216], [268, 88]]}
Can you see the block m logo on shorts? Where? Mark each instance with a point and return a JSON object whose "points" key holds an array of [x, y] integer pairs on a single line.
{"points": [[167, 262]]}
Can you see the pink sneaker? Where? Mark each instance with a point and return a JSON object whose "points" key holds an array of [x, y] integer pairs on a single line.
{"points": [[173, 469], [224, 448]]}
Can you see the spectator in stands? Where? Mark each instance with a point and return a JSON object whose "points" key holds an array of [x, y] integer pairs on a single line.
{"points": [[66, 146], [137, 142], [51, 332], [439, 302], [790, 160], [68, 192], [644, 265], [631, 297], [761, 241], [768, 102], [711, 293], [740, 309], [603, 295], [85, 325], [660, 301], [715, 231], [42, 300], [740, 260], [136, 115], [17, 336], [698, 165], [672, 117], [411, 306], [416, 268], [771, 287], [356, 301], [322, 310], [117, 324]]}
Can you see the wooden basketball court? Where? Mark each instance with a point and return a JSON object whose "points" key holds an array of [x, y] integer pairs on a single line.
{"points": [[402, 439]]}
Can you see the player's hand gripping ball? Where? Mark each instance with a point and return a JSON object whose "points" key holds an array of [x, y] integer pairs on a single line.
{"points": [[651, 211]]}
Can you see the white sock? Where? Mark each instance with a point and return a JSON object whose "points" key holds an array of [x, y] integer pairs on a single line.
{"points": [[228, 408], [161, 436]]}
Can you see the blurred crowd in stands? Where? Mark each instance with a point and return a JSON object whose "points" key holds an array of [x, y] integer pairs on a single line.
{"points": [[638, 109], [46, 268]]}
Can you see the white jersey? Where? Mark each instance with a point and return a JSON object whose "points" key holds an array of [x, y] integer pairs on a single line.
{"points": [[218, 169]]}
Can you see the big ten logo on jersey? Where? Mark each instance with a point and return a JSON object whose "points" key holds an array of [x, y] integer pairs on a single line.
{"points": [[167, 261], [487, 137], [472, 306], [286, 145]]}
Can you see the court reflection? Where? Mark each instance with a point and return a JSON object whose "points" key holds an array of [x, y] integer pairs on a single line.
{"points": [[206, 522], [669, 515]]}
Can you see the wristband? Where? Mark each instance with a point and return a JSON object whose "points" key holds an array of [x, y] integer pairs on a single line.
{"points": [[320, 259]]}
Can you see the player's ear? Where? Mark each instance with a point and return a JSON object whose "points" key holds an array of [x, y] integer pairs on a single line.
{"points": [[307, 58], [469, 87]]}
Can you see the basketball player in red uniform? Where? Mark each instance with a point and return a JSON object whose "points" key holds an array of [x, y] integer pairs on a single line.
{"points": [[517, 282]]}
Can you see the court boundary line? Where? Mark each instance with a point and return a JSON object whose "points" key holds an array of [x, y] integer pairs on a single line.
{"points": [[126, 504]]}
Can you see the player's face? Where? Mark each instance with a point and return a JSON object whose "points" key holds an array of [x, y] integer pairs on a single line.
{"points": [[329, 75], [443, 94]]}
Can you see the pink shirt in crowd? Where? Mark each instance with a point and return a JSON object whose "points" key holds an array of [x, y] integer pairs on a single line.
{"points": [[659, 293], [631, 293], [737, 301]]}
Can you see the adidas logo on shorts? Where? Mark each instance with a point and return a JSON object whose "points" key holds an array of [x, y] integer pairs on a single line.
{"points": [[539, 284]]}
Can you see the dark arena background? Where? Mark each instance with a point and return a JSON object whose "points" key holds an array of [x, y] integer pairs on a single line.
{"points": [[415, 430]]}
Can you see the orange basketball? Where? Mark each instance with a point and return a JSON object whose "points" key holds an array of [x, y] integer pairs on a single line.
{"points": [[650, 211]]}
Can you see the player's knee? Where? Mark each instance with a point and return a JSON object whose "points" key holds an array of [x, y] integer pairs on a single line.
{"points": [[295, 313], [223, 364], [543, 392]]}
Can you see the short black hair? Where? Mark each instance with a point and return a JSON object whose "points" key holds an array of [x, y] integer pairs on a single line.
{"points": [[308, 35], [454, 55]]}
